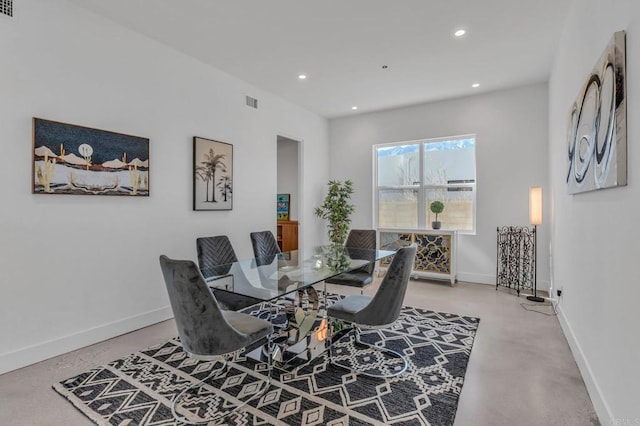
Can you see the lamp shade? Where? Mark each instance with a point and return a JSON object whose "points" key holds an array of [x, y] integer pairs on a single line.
{"points": [[535, 205]]}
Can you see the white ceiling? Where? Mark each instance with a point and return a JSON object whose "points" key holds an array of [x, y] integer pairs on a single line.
{"points": [[342, 44]]}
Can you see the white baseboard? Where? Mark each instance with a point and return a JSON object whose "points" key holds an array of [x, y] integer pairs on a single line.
{"points": [[491, 280], [35, 353], [599, 403], [471, 277]]}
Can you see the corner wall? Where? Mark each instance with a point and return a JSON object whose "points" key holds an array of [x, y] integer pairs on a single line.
{"points": [[511, 156], [80, 269], [595, 235]]}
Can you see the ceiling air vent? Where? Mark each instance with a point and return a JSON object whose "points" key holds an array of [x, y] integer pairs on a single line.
{"points": [[252, 102], [6, 7]]}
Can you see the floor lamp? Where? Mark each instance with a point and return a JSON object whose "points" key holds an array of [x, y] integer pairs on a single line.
{"points": [[535, 217]]}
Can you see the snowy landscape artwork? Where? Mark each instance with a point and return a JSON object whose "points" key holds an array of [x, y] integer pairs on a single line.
{"points": [[212, 175], [70, 159]]}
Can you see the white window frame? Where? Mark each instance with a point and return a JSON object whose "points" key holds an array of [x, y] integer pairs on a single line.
{"points": [[422, 187]]}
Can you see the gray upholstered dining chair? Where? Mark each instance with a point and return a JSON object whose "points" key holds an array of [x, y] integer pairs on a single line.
{"points": [[217, 252], [265, 250], [361, 277], [265, 247], [378, 311], [207, 332]]}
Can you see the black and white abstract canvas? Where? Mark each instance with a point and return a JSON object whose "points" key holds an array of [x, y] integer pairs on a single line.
{"points": [[597, 137]]}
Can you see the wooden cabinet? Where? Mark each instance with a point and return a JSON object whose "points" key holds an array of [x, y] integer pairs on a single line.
{"points": [[287, 235], [436, 255]]}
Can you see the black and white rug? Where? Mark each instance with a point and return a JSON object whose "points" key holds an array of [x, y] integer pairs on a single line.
{"points": [[138, 389]]}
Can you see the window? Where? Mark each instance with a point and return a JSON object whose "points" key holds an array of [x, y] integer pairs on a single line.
{"points": [[411, 175]]}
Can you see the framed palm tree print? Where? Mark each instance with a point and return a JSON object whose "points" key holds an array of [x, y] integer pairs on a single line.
{"points": [[212, 175]]}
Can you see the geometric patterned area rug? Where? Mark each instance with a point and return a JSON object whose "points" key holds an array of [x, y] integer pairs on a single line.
{"points": [[138, 389]]}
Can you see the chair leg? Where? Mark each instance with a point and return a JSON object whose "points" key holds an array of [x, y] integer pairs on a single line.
{"points": [[217, 373], [330, 337], [387, 351]]}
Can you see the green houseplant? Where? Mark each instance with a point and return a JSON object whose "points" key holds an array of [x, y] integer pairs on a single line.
{"points": [[337, 209], [436, 207]]}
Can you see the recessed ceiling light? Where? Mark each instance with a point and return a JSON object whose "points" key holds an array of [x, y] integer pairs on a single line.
{"points": [[302, 76], [459, 33], [354, 107], [474, 85]]}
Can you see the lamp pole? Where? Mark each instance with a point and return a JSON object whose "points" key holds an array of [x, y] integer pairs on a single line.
{"points": [[535, 217]]}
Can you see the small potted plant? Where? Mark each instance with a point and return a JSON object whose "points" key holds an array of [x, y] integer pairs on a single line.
{"points": [[436, 207]]}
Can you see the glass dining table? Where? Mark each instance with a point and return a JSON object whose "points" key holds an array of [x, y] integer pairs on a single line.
{"points": [[284, 285]]}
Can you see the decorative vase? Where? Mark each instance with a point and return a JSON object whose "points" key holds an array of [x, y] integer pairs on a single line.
{"points": [[436, 224]]}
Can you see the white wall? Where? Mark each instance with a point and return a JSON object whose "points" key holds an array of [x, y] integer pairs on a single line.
{"points": [[288, 173], [595, 235], [511, 156], [80, 269]]}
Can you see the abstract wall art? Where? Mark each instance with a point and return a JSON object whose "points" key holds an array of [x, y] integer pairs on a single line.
{"points": [[597, 136], [212, 175], [71, 159]]}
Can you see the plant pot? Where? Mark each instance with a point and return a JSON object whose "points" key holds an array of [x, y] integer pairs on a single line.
{"points": [[436, 224]]}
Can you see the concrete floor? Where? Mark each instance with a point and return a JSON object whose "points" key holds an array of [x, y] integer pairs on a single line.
{"points": [[521, 371]]}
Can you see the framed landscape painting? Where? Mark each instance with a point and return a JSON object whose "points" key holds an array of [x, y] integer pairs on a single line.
{"points": [[212, 175], [71, 159]]}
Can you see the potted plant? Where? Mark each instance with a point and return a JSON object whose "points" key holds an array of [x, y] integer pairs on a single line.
{"points": [[337, 209], [337, 258], [436, 207]]}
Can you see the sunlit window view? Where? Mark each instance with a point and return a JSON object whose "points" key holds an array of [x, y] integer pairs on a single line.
{"points": [[410, 176]]}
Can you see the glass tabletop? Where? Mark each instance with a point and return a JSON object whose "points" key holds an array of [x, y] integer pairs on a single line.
{"points": [[274, 276]]}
